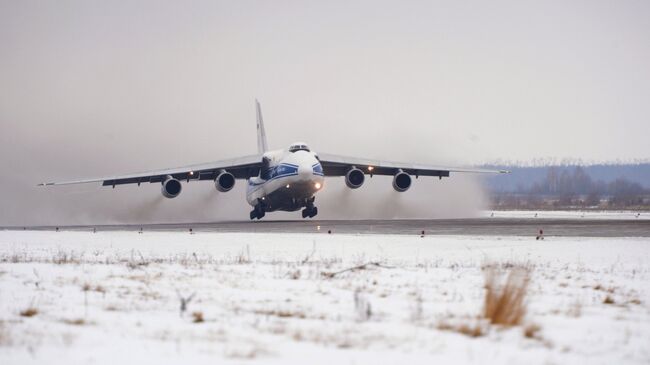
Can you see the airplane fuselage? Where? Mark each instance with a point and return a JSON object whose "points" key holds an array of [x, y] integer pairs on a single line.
{"points": [[288, 182]]}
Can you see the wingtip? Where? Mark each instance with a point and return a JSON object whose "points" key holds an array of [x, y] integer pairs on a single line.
{"points": [[504, 171]]}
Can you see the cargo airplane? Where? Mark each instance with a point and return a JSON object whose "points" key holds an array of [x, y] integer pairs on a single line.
{"points": [[279, 180]]}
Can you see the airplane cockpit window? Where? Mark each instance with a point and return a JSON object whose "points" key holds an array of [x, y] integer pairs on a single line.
{"points": [[298, 147]]}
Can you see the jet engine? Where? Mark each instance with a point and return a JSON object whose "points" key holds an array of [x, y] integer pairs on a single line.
{"points": [[171, 187], [354, 178], [401, 181], [224, 181]]}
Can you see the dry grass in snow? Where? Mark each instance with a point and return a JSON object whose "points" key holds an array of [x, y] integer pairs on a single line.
{"points": [[505, 298], [29, 312]]}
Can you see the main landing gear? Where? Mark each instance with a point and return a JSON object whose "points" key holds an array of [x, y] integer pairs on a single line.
{"points": [[310, 210], [258, 212]]}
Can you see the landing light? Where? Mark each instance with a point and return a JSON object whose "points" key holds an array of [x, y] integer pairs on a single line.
{"points": [[370, 168], [191, 172], [317, 186], [288, 186]]}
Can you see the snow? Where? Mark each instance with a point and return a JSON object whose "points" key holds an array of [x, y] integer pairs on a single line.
{"points": [[113, 297]]}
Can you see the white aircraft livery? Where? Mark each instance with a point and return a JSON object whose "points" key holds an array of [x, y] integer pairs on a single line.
{"points": [[284, 180]]}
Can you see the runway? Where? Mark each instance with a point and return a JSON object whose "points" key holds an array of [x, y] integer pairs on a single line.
{"points": [[473, 227]]}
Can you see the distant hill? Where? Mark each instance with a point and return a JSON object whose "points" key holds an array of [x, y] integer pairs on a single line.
{"points": [[523, 178]]}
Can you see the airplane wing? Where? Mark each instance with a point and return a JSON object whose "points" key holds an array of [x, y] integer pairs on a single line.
{"points": [[241, 168], [334, 165]]}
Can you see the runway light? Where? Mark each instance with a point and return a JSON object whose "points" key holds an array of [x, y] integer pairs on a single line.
{"points": [[370, 168], [288, 186], [317, 186]]}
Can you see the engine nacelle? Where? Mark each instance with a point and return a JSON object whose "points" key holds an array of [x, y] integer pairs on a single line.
{"points": [[401, 181], [171, 187], [224, 181], [354, 178]]}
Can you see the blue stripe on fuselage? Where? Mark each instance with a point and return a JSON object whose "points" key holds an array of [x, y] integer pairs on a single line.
{"points": [[318, 169], [276, 172]]}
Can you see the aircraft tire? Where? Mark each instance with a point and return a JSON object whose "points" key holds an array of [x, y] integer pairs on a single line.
{"points": [[313, 212]]}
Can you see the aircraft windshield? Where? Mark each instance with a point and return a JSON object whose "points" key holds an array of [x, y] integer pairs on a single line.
{"points": [[298, 147]]}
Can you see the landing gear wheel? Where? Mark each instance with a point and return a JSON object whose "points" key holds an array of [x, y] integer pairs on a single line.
{"points": [[258, 212], [309, 212], [255, 214]]}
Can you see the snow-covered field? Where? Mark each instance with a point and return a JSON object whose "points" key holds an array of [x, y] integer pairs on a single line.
{"points": [[566, 214], [115, 298]]}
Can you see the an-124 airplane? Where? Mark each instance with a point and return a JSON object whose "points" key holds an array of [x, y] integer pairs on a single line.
{"points": [[285, 180]]}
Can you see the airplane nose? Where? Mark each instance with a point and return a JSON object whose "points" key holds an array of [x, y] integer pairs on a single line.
{"points": [[305, 172]]}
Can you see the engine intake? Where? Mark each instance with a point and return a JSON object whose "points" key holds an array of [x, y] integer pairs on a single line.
{"points": [[224, 181], [354, 178], [401, 181], [171, 187]]}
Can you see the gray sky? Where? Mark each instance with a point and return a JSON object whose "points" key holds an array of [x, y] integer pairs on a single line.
{"points": [[90, 88]]}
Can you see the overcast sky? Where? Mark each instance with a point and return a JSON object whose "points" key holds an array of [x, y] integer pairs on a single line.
{"points": [[90, 88]]}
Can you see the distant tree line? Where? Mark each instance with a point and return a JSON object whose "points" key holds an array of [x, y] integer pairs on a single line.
{"points": [[565, 188]]}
